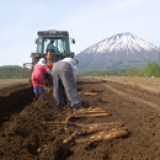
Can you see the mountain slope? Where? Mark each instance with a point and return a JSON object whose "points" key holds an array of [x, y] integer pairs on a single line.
{"points": [[120, 51], [13, 71]]}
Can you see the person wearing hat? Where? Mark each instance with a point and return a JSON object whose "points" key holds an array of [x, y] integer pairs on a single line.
{"points": [[52, 48], [64, 78], [37, 76]]}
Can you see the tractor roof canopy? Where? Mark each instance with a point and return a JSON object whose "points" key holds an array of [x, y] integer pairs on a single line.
{"points": [[53, 33]]}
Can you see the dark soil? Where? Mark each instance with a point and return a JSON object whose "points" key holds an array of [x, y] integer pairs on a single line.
{"points": [[29, 131]]}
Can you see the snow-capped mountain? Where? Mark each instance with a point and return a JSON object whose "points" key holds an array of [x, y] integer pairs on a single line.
{"points": [[120, 51], [125, 41]]}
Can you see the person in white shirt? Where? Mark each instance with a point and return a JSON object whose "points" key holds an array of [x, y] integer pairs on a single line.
{"points": [[64, 77]]}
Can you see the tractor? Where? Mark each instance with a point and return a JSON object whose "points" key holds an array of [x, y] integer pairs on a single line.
{"points": [[61, 43]]}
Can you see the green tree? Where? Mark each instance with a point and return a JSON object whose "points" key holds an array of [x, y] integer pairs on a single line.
{"points": [[152, 69]]}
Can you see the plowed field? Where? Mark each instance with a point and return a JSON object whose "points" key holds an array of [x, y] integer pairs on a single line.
{"points": [[119, 120]]}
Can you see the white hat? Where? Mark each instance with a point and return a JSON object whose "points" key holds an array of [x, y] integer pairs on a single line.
{"points": [[42, 61], [71, 60]]}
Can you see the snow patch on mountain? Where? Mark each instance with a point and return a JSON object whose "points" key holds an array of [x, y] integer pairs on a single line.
{"points": [[124, 50], [122, 42]]}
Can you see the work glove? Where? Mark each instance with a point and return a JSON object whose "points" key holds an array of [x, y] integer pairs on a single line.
{"points": [[50, 72]]}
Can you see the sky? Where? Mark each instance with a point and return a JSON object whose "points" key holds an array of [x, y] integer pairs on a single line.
{"points": [[88, 21]]}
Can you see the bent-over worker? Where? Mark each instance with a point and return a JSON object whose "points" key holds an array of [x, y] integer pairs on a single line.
{"points": [[64, 76], [37, 76]]}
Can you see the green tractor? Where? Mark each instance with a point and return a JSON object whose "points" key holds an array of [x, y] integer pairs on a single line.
{"points": [[61, 44]]}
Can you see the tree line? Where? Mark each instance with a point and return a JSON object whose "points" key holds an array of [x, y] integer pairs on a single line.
{"points": [[151, 69], [14, 72]]}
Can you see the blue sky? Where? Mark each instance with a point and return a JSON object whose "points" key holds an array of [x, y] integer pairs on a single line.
{"points": [[88, 21]]}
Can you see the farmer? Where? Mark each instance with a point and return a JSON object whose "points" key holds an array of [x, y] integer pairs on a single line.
{"points": [[64, 77], [37, 76], [52, 48]]}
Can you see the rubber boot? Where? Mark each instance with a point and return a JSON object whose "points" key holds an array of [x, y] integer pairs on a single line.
{"points": [[35, 91], [41, 90]]}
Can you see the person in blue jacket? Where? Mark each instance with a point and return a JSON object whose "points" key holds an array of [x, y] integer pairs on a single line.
{"points": [[52, 48]]}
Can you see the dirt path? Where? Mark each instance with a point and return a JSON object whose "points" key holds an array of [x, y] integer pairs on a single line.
{"points": [[119, 120]]}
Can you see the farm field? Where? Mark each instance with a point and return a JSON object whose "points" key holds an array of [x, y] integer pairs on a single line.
{"points": [[10, 85], [119, 120]]}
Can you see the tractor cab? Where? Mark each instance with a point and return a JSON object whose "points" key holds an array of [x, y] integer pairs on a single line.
{"points": [[53, 45]]}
